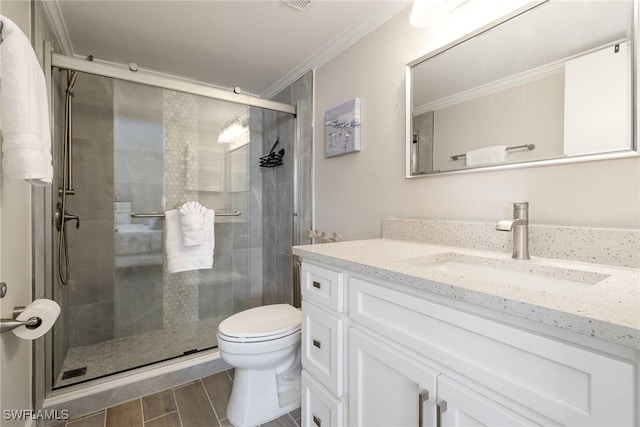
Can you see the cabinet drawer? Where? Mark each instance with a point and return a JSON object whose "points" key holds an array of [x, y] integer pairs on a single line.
{"points": [[323, 286], [319, 407], [323, 347], [569, 384]]}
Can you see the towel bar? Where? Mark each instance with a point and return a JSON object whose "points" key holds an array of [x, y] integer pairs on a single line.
{"points": [[515, 147], [161, 215]]}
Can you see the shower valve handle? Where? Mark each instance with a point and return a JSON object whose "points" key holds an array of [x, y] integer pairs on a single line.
{"points": [[59, 218], [69, 217]]}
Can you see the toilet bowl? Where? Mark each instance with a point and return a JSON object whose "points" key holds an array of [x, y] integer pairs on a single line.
{"points": [[263, 345]]}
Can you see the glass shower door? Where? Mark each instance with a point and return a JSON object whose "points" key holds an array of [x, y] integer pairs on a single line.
{"points": [[139, 151]]}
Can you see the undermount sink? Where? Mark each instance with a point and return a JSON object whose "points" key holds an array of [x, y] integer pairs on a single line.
{"points": [[507, 272]]}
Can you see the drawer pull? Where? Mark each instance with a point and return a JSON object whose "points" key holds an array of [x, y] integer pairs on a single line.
{"points": [[317, 343], [317, 421], [317, 284], [441, 408], [422, 397]]}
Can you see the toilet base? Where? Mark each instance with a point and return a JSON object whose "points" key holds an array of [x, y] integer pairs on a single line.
{"points": [[254, 398]]}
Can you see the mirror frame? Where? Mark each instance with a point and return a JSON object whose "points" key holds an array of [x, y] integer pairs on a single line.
{"points": [[635, 111]]}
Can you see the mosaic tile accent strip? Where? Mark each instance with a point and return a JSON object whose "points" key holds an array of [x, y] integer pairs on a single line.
{"points": [[620, 248], [180, 121]]}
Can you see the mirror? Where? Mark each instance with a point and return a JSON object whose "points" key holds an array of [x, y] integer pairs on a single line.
{"points": [[551, 84]]}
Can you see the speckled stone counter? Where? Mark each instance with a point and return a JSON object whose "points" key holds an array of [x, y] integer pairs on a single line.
{"points": [[608, 310], [615, 247]]}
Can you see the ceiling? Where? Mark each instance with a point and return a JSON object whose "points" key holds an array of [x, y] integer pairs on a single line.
{"points": [[260, 46]]}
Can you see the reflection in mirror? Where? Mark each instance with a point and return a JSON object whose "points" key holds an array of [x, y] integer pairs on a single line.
{"points": [[553, 82]]}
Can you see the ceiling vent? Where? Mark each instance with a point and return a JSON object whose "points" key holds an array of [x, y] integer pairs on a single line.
{"points": [[298, 4]]}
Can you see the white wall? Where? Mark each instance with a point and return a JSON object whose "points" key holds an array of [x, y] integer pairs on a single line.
{"points": [[353, 193], [15, 266]]}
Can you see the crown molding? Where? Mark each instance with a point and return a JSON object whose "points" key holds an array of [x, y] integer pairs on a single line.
{"points": [[340, 43], [493, 87], [54, 15]]}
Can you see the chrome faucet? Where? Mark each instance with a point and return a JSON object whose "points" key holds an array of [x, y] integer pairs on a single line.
{"points": [[520, 226]]}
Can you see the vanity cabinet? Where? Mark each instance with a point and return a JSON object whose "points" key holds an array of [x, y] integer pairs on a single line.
{"points": [[323, 346], [417, 359]]}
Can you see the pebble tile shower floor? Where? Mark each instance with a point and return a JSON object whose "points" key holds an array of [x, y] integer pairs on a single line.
{"points": [[118, 355], [201, 403]]}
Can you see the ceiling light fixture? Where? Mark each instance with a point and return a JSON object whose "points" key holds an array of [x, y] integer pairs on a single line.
{"points": [[232, 131], [426, 13]]}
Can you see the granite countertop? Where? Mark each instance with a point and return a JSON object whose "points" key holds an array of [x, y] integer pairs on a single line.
{"points": [[608, 310]]}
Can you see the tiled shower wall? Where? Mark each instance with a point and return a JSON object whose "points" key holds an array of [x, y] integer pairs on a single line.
{"points": [[281, 228], [90, 291]]}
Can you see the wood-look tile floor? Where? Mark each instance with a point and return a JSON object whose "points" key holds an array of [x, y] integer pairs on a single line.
{"points": [[201, 403]]}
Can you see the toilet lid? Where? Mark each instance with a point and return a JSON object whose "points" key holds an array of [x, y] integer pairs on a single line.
{"points": [[265, 321]]}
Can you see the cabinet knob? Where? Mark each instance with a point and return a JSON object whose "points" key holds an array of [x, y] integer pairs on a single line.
{"points": [[317, 421], [317, 284], [317, 343]]}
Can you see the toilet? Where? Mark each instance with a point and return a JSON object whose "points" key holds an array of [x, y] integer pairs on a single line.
{"points": [[263, 345]]}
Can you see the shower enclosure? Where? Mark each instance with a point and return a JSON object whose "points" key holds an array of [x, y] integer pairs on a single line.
{"points": [[136, 149]]}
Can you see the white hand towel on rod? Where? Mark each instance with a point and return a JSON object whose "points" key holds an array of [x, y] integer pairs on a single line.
{"points": [[192, 223], [24, 111], [487, 155], [184, 258]]}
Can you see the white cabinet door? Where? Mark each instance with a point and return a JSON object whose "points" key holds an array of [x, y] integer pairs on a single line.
{"points": [[388, 387], [460, 406]]}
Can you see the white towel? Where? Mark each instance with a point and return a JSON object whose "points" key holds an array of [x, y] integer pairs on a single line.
{"points": [[192, 223], [487, 155], [183, 258], [24, 111]]}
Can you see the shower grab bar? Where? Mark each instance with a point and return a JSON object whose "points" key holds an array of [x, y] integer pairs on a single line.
{"points": [[161, 215], [515, 147]]}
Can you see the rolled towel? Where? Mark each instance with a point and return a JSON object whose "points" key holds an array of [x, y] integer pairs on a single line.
{"points": [[192, 216], [24, 110]]}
